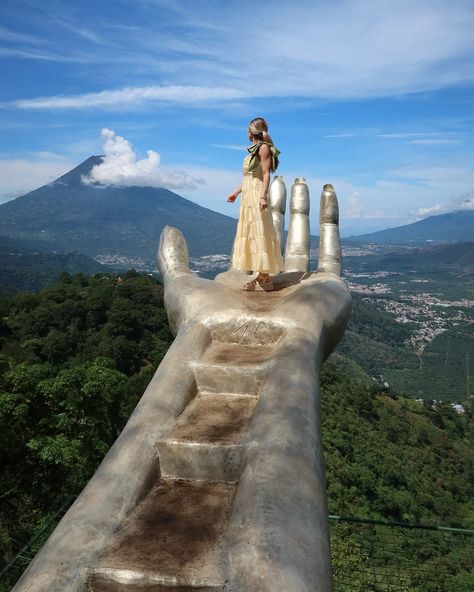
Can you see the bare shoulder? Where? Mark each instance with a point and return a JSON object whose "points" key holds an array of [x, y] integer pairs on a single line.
{"points": [[264, 151]]}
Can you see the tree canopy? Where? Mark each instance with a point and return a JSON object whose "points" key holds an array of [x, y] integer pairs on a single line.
{"points": [[76, 357]]}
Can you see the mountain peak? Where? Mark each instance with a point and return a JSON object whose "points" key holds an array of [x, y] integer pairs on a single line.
{"points": [[74, 176], [115, 221], [457, 226]]}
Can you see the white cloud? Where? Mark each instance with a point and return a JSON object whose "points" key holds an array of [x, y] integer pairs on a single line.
{"points": [[431, 211], [78, 30], [399, 135], [184, 95], [371, 48], [218, 184], [342, 49], [348, 49], [19, 176], [35, 54], [237, 147], [427, 142], [424, 138], [16, 37], [121, 167], [462, 202], [354, 209], [449, 180]]}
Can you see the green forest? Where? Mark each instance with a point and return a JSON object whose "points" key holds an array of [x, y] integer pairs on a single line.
{"points": [[76, 357]]}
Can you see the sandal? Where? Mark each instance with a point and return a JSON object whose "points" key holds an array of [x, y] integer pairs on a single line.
{"points": [[256, 285]]}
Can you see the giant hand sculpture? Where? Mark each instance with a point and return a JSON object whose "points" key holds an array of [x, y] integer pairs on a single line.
{"points": [[190, 299], [217, 480], [278, 535]]}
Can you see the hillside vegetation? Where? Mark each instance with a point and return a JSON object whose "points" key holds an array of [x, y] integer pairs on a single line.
{"points": [[25, 268], [74, 361], [393, 458], [76, 357]]}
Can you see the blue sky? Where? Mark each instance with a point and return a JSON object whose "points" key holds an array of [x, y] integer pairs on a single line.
{"points": [[375, 97]]}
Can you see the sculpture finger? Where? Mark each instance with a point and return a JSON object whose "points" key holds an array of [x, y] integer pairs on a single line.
{"points": [[277, 194], [330, 254], [172, 256], [297, 241]]}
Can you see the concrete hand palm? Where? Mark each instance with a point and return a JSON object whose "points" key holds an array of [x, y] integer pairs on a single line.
{"points": [[318, 302]]}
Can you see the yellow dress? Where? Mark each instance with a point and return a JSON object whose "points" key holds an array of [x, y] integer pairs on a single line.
{"points": [[256, 245]]}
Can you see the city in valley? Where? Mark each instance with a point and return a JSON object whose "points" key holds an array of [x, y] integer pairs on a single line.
{"points": [[430, 313], [433, 303]]}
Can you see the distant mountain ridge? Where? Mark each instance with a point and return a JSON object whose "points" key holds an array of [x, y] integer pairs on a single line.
{"points": [[454, 226], [68, 215], [455, 257], [125, 222]]}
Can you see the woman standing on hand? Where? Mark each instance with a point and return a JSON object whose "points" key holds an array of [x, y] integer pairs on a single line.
{"points": [[256, 246]]}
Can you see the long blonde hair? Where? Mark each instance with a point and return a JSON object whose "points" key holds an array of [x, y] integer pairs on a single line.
{"points": [[258, 127]]}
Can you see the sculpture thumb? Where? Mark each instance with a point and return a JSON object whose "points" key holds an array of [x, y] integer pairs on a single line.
{"points": [[172, 256]]}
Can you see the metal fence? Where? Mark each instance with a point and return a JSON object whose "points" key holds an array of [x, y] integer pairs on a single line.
{"points": [[377, 556], [11, 572], [367, 556]]}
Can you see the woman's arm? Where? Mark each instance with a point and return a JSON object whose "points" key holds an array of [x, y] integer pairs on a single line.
{"points": [[265, 158], [233, 196]]}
